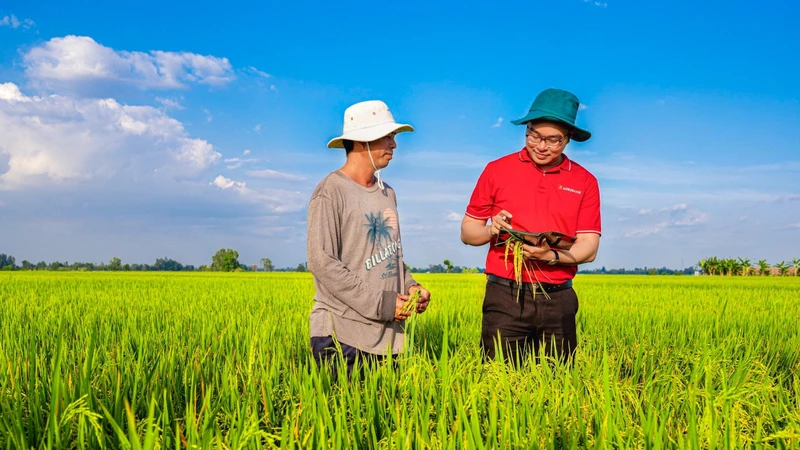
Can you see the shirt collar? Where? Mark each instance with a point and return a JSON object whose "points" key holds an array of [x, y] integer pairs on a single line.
{"points": [[566, 164]]}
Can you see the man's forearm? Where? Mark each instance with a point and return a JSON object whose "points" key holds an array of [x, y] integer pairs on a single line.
{"points": [[475, 233], [583, 251]]}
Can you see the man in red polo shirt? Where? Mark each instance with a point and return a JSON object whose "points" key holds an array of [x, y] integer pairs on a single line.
{"points": [[537, 189]]}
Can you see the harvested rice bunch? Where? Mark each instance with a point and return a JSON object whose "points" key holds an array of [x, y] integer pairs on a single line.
{"points": [[514, 247], [411, 304]]}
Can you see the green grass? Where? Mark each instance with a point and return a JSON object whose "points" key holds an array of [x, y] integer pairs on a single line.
{"points": [[90, 360]]}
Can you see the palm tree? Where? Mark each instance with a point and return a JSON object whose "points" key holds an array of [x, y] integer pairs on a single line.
{"points": [[377, 228], [763, 267], [783, 267], [745, 264], [796, 262]]}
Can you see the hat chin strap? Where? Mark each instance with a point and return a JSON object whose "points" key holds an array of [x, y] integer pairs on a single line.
{"points": [[377, 171]]}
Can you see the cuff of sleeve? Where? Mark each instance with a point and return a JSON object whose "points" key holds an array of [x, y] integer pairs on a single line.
{"points": [[388, 305], [410, 282]]}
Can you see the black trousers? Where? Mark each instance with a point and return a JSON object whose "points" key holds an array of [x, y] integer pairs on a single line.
{"points": [[327, 355], [523, 326]]}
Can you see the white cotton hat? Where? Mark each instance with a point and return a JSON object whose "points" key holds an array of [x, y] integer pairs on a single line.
{"points": [[366, 122]]}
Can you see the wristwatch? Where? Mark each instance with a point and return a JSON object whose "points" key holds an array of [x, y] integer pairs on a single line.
{"points": [[553, 261]]}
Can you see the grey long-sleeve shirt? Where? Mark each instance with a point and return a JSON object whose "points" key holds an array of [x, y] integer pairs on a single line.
{"points": [[355, 254]]}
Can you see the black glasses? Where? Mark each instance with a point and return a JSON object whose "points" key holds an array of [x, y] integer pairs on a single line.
{"points": [[550, 141]]}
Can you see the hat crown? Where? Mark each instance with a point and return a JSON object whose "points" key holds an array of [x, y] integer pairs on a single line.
{"points": [[558, 102], [556, 105], [366, 114], [366, 122]]}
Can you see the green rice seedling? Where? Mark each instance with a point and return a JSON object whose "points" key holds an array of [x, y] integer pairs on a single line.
{"points": [[211, 360], [514, 247], [411, 304]]}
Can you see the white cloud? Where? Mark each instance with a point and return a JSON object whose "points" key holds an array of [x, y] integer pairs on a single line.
{"points": [[13, 22], [692, 218], [253, 71], [498, 123], [647, 231], [664, 220], [257, 128], [169, 103], [596, 3], [790, 198], [275, 200], [453, 216], [246, 152], [59, 139], [273, 174], [678, 207], [209, 117], [9, 21], [10, 93], [235, 163], [582, 107], [258, 77], [226, 183], [80, 62]]}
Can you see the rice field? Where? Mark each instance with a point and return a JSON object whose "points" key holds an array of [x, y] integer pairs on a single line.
{"points": [[199, 360]]}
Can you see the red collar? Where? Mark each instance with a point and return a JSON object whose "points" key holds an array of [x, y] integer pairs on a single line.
{"points": [[566, 164]]}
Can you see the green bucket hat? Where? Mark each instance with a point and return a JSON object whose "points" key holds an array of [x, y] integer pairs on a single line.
{"points": [[556, 105]]}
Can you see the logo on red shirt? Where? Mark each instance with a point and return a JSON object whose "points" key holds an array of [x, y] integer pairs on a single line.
{"points": [[568, 189]]}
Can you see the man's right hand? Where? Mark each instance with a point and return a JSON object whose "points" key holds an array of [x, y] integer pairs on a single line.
{"points": [[400, 316], [501, 220], [476, 232]]}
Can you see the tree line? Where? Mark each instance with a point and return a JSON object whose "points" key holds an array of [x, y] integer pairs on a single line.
{"points": [[743, 267], [224, 260], [227, 260], [446, 267], [638, 271]]}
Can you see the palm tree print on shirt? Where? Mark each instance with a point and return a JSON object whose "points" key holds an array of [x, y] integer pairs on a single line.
{"points": [[379, 226]]}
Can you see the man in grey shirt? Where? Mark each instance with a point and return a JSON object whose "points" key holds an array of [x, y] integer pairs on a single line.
{"points": [[354, 248]]}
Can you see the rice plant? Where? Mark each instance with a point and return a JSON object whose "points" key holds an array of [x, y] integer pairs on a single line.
{"points": [[210, 360]]}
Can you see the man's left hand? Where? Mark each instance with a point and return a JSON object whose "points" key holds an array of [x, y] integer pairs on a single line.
{"points": [[537, 252], [424, 297]]}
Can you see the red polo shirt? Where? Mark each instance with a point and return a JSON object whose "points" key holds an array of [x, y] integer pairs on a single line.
{"points": [[565, 198]]}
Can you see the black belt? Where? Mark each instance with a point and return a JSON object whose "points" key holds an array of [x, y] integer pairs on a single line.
{"points": [[546, 287]]}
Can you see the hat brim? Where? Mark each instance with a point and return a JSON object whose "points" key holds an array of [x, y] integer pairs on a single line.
{"points": [[370, 134], [578, 134]]}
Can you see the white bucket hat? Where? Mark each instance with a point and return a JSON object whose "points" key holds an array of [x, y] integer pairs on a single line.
{"points": [[366, 122]]}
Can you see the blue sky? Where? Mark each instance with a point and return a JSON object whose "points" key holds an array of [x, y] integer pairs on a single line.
{"points": [[177, 130]]}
